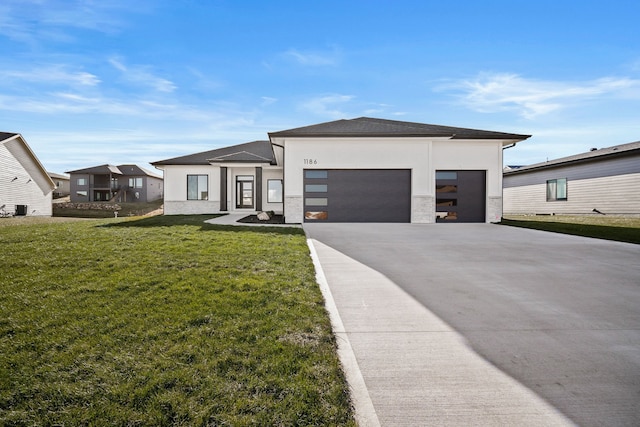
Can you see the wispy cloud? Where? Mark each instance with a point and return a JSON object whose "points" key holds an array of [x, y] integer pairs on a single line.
{"points": [[58, 74], [531, 97], [30, 21], [314, 58], [139, 74], [267, 100], [327, 105]]}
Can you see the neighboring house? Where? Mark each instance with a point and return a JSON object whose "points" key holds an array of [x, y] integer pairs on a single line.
{"points": [[108, 183], [605, 180], [360, 170], [62, 184], [25, 186]]}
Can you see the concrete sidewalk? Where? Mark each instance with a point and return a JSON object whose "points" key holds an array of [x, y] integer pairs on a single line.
{"points": [[406, 366]]}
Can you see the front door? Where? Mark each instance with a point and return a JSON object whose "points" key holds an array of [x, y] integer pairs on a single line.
{"points": [[244, 192]]}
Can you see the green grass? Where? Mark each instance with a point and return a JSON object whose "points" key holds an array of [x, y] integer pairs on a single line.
{"points": [[622, 229], [163, 321]]}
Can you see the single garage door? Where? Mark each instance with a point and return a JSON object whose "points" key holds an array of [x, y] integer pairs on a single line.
{"points": [[357, 195]]}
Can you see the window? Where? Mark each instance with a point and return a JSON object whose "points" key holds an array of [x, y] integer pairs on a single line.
{"points": [[316, 201], [315, 174], [315, 188], [82, 181], [135, 182], [274, 191], [197, 187], [446, 175], [81, 193], [556, 189]]}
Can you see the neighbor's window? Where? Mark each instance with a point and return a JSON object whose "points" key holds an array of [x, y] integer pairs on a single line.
{"points": [[82, 181], [556, 189], [197, 187], [135, 182], [81, 193], [274, 193]]}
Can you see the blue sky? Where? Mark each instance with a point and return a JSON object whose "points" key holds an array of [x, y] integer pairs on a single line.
{"points": [[89, 82]]}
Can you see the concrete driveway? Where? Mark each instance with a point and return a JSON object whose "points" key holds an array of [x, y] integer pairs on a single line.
{"points": [[455, 324]]}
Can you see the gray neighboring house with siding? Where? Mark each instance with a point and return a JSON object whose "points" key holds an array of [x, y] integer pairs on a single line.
{"points": [[25, 186], [605, 180], [108, 183]]}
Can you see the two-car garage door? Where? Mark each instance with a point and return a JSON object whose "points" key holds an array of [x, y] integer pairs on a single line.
{"points": [[384, 195], [357, 195]]}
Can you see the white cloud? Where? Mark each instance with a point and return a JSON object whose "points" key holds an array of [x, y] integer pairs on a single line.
{"points": [[530, 98], [327, 105], [140, 75]]}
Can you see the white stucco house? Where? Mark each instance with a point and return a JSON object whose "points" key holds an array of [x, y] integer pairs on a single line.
{"points": [[357, 170], [25, 186], [605, 180]]}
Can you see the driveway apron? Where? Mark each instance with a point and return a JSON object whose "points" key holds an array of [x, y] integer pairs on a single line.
{"points": [[482, 324]]}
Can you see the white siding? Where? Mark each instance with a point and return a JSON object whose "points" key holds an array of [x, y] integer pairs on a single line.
{"points": [[175, 188], [23, 181], [610, 194]]}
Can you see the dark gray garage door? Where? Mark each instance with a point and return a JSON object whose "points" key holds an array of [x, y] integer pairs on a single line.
{"points": [[357, 195]]}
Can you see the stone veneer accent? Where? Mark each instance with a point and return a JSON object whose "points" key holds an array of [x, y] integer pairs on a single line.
{"points": [[423, 210], [191, 207], [494, 209], [293, 208]]}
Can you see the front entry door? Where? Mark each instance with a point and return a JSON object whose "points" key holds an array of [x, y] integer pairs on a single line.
{"points": [[244, 192]]}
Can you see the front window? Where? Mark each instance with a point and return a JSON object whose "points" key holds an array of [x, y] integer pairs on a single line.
{"points": [[556, 189], [197, 187], [135, 182], [274, 194], [82, 181]]}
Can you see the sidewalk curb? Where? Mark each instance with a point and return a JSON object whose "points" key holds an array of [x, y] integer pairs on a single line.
{"points": [[365, 413]]}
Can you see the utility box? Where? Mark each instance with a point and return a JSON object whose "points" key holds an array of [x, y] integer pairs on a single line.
{"points": [[21, 210]]}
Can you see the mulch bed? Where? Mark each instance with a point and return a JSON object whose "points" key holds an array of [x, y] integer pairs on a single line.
{"points": [[253, 219]]}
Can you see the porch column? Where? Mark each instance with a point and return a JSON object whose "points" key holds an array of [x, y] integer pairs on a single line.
{"points": [[223, 188], [258, 188]]}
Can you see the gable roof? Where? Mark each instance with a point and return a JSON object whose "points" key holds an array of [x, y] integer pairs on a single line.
{"points": [[20, 150], [371, 127], [249, 152], [54, 175], [593, 155]]}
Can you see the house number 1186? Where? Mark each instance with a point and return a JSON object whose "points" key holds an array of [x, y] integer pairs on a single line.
{"points": [[310, 161]]}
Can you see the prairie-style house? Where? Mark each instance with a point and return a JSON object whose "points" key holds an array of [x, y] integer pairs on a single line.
{"points": [[358, 170]]}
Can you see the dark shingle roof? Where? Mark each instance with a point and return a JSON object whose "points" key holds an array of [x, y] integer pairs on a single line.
{"points": [[254, 152], [6, 135], [616, 150], [98, 170], [126, 170], [371, 127]]}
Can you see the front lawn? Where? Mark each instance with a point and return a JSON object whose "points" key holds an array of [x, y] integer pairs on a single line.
{"points": [[163, 321], [619, 228]]}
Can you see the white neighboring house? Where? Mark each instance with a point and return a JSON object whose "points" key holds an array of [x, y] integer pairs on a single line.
{"points": [[25, 186], [603, 180], [62, 182], [359, 170]]}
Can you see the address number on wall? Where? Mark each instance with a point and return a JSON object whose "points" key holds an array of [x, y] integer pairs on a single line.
{"points": [[310, 161]]}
